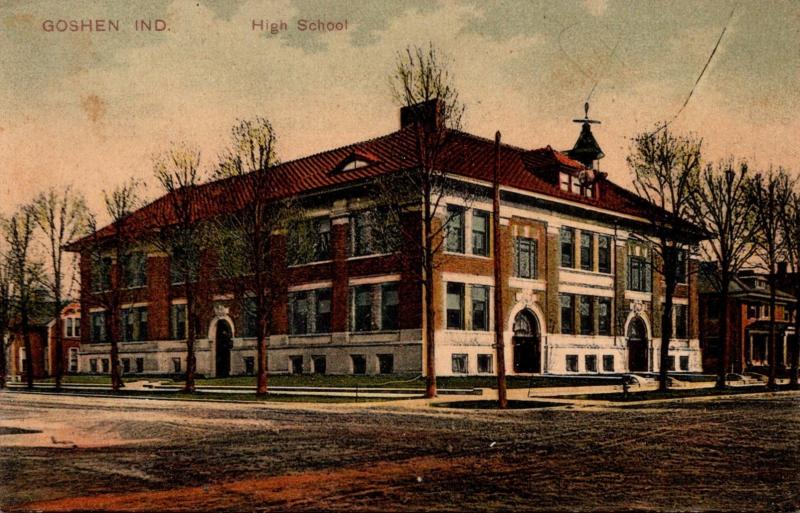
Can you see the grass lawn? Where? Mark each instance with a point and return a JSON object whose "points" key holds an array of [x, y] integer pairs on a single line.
{"points": [[94, 379], [229, 397], [485, 404], [409, 381], [650, 395]]}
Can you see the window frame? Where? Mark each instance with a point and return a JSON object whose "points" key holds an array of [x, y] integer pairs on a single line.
{"points": [[486, 306], [460, 289], [569, 327], [567, 247], [484, 236], [455, 233], [525, 249], [604, 254], [586, 252]]}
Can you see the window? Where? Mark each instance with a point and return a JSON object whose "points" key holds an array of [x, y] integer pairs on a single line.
{"points": [[752, 312], [322, 319], [604, 316], [68, 327], [180, 264], [712, 308], [249, 317], [296, 363], [73, 359], [134, 324], [564, 180], [176, 365], [390, 301], [603, 254], [567, 247], [249, 365], [638, 274], [298, 313], [362, 308], [590, 362], [681, 321], [322, 239], [373, 232], [608, 363], [455, 229], [682, 263], [93, 365], [480, 308], [139, 365], [309, 241], [134, 266], [480, 233], [684, 363], [455, 306], [525, 257], [567, 313], [359, 363], [484, 363], [101, 274], [586, 315], [76, 328], [670, 363], [459, 362], [105, 364], [385, 363], [572, 363], [178, 322], [126, 365], [98, 320], [319, 364], [587, 251]]}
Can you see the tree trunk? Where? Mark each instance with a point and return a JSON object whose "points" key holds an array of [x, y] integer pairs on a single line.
{"points": [[114, 332], [724, 335], [666, 335], [3, 360], [59, 341], [795, 348], [26, 342], [773, 357], [191, 363], [499, 317], [430, 310], [261, 388]]}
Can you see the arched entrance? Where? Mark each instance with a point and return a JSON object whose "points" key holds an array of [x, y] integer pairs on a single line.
{"points": [[637, 345], [527, 354], [223, 343]]}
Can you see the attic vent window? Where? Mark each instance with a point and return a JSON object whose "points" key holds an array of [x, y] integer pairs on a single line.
{"points": [[574, 184], [355, 164]]}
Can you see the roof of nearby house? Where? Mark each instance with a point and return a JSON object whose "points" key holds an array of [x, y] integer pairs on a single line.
{"points": [[464, 154], [741, 289]]}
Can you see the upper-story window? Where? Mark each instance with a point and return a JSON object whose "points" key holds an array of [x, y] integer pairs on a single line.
{"points": [[480, 233], [587, 251], [101, 274], [572, 183], [480, 307], [455, 229], [604, 254], [135, 269], [567, 247], [567, 302], [604, 316], [373, 232], [683, 266], [72, 327], [586, 314], [181, 264], [178, 322], [639, 278], [525, 257], [309, 241], [374, 307]]}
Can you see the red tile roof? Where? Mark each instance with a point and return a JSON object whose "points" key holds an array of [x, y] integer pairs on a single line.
{"points": [[464, 154]]}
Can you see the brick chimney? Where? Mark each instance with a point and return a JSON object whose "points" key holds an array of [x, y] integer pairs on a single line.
{"points": [[429, 113]]}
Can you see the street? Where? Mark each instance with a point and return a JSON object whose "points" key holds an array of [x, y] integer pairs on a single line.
{"points": [[130, 455]]}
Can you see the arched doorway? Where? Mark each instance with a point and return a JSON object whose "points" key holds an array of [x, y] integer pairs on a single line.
{"points": [[527, 354], [223, 343], [637, 345]]}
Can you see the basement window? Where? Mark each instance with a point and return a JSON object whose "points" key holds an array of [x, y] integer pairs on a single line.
{"points": [[459, 363], [484, 363], [572, 363]]}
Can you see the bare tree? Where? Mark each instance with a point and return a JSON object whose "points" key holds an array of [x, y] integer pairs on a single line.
{"points": [[791, 230], [769, 193], [107, 252], [24, 273], [246, 255], [666, 168], [62, 217], [423, 85], [720, 205], [181, 236], [5, 315]]}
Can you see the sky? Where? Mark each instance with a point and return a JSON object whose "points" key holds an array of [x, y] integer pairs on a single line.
{"points": [[91, 109]]}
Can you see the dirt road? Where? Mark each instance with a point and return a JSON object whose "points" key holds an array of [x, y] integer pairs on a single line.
{"points": [[137, 455]]}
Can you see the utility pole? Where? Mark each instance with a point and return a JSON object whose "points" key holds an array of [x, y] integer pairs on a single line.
{"points": [[502, 398]]}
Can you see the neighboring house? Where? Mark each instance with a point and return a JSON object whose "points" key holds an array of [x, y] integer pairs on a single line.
{"points": [[749, 318], [579, 292], [42, 335]]}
